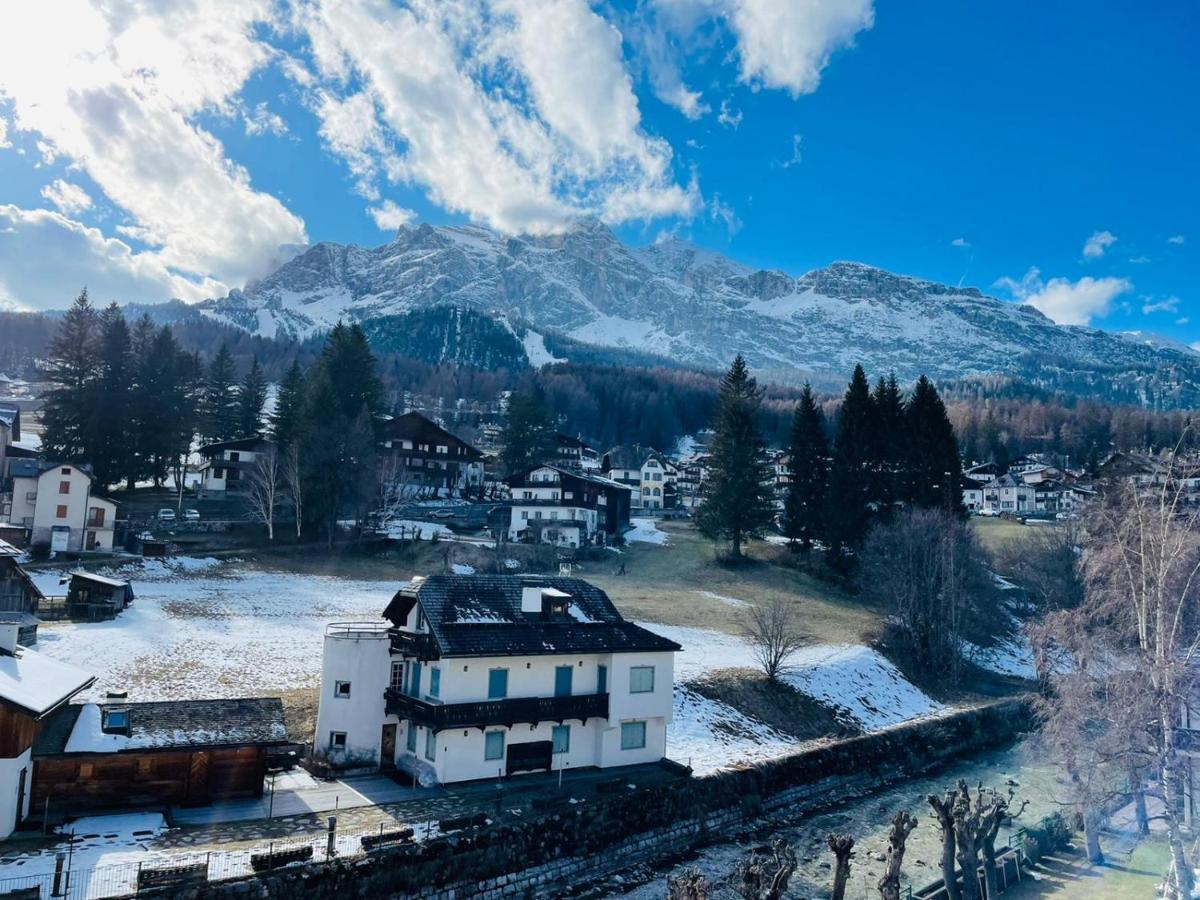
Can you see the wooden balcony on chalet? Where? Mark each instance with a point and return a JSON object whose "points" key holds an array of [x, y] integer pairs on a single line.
{"points": [[508, 712], [417, 644]]}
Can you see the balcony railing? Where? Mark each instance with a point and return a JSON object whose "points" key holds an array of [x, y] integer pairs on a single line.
{"points": [[409, 643], [496, 712]]}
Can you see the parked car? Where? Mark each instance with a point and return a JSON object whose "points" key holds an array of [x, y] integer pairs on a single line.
{"points": [[166, 515], [989, 513], [443, 514], [191, 515]]}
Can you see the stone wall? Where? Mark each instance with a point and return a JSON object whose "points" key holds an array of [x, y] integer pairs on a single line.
{"points": [[657, 823]]}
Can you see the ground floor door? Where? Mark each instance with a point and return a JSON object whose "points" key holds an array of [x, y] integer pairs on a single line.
{"points": [[531, 756], [197, 786], [387, 746]]}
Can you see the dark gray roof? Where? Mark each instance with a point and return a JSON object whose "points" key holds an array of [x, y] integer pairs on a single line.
{"points": [[32, 468], [480, 615]]}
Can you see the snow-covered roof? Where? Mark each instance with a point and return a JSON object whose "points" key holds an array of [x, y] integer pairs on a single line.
{"points": [[99, 579], [179, 723], [37, 683]]}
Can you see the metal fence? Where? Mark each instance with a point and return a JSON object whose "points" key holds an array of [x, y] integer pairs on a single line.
{"points": [[60, 876]]}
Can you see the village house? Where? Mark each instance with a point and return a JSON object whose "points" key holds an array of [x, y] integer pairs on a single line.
{"points": [[486, 676], [32, 688], [94, 598], [54, 502], [19, 596], [228, 464], [1008, 494], [419, 458], [983, 472], [10, 433], [692, 470], [573, 453], [652, 476], [555, 505], [972, 494]]}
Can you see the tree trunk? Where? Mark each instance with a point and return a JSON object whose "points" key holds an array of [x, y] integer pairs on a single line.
{"points": [[737, 544], [968, 861], [270, 529], [944, 811], [889, 884], [842, 846], [1091, 835], [989, 868], [1139, 804], [1184, 883]]}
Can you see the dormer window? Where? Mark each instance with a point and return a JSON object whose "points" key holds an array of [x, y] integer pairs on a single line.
{"points": [[115, 720]]}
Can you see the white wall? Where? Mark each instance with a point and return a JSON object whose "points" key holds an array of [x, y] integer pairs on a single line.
{"points": [[45, 513], [466, 680], [365, 662], [10, 779]]}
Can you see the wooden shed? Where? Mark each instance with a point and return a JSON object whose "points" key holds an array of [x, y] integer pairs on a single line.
{"points": [[93, 598], [186, 752]]}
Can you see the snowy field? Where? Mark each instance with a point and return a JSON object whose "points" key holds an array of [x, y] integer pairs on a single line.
{"points": [[646, 531]]}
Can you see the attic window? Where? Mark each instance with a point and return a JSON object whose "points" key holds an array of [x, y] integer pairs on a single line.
{"points": [[115, 721]]}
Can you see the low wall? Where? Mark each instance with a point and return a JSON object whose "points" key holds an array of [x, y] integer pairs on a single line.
{"points": [[595, 839]]}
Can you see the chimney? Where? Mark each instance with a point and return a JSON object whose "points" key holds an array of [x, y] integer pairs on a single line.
{"points": [[8, 637]]}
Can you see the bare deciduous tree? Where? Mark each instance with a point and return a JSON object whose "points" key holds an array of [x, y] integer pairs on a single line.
{"points": [[1048, 565], [765, 876], [842, 846], [690, 884], [263, 489], [943, 811], [902, 826], [773, 630], [294, 484]]}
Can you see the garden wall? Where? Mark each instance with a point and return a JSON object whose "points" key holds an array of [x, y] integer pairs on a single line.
{"points": [[544, 855]]}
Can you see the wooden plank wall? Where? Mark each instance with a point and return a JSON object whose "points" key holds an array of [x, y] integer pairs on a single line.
{"points": [[17, 732]]}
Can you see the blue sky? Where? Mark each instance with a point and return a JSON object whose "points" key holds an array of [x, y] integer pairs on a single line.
{"points": [[1045, 153]]}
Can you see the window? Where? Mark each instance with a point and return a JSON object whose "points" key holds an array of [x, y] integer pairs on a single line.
{"points": [[601, 679], [64, 487], [397, 679], [435, 682], [341, 690], [430, 744], [633, 735], [218, 473], [497, 684], [60, 512], [234, 456], [525, 514], [337, 740], [116, 721], [66, 470], [561, 738], [493, 745], [641, 680], [410, 739]]}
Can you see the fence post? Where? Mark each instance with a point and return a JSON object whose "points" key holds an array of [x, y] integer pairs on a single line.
{"points": [[56, 890], [331, 841]]}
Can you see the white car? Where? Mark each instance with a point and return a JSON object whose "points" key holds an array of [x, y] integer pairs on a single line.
{"points": [[989, 513], [166, 515], [191, 515]]}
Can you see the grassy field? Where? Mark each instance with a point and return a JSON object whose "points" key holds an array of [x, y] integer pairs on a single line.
{"points": [[999, 534], [1069, 876]]}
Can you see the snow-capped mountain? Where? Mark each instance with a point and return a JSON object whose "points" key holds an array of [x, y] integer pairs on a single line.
{"points": [[697, 307]]}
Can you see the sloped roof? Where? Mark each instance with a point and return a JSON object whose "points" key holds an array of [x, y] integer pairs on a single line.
{"points": [[600, 480], [249, 444], [480, 615], [34, 468], [415, 427], [36, 683], [99, 579]]}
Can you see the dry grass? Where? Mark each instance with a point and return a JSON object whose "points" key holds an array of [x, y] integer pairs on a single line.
{"points": [[1069, 876], [778, 705], [996, 534]]}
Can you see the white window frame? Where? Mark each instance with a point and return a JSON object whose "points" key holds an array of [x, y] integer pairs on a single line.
{"points": [[633, 685], [341, 690], [335, 743]]}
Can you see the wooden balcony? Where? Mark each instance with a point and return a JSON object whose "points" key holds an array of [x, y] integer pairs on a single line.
{"points": [[419, 645], [508, 712]]}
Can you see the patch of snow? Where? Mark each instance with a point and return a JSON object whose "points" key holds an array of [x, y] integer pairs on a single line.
{"points": [[720, 598], [579, 615], [710, 735], [685, 446], [512, 564], [535, 348], [37, 681], [406, 528], [646, 531], [1013, 658], [462, 569]]}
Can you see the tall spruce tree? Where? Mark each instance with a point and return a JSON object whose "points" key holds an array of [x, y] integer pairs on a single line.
{"points": [[251, 399], [851, 477], [112, 414], [286, 420], [738, 498], [528, 436], [808, 474], [934, 463], [142, 402], [219, 406], [71, 368], [888, 450]]}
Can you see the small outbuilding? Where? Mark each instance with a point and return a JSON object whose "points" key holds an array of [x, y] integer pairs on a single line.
{"points": [[94, 598]]}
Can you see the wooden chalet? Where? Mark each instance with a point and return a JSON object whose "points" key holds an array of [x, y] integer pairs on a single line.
{"points": [[419, 456], [94, 598], [19, 596], [186, 752]]}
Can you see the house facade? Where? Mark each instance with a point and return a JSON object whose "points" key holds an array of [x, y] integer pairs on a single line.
{"points": [[10, 433], [555, 505], [1008, 494], [419, 458], [19, 596], [56, 505], [484, 676], [573, 453], [651, 475], [227, 464]]}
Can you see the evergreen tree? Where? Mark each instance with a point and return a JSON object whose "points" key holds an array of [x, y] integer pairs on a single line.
{"points": [[166, 397], [808, 474], [219, 406], [848, 512], [111, 416], [251, 398], [738, 499], [71, 368], [888, 451], [934, 462], [528, 437], [286, 419], [143, 401]]}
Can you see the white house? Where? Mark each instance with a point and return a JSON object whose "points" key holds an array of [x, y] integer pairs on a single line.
{"points": [[566, 507], [227, 464], [1008, 494], [486, 676], [651, 475], [32, 686], [54, 501]]}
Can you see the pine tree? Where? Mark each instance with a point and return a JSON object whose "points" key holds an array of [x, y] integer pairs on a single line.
{"points": [[71, 368], [219, 406], [142, 402], [808, 474], [888, 451], [111, 416], [738, 499], [528, 434], [848, 512], [934, 461], [286, 419], [251, 398]]}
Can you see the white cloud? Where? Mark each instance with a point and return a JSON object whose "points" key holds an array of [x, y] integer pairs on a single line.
{"points": [[387, 216], [960, 242], [45, 258], [1064, 301], [728, 116], [797, 152], [69, 198], [1095, 246], [115, 90], [1182, 320], [719, 211], [260, 120], [1139, 260], [1176, 239], [1167, 304], [4, 142]]}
